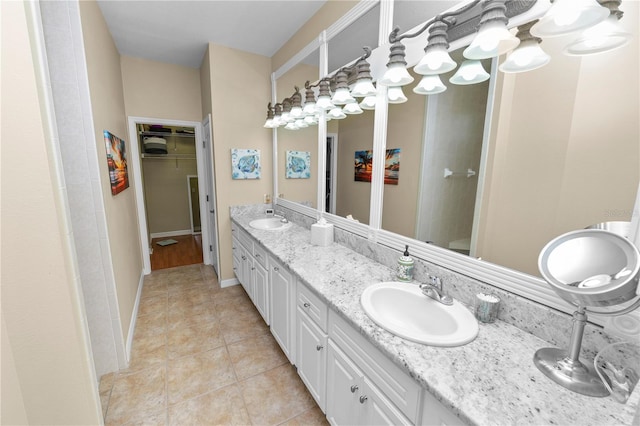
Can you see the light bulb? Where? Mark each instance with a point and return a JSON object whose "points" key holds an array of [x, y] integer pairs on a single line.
{"points": [[470, 72], [396, 75], [363, 88], [336, 113], [368, 103], [324, 102], [296, 112], [567, 16], [605, 36], [396, 95], [494, 39], [352, 108], [309, 108], [342, 97], [436, 61], [528, 56], [430, 85]]}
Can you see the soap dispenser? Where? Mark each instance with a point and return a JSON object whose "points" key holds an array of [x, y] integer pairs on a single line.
{"points": [[405, 266]]}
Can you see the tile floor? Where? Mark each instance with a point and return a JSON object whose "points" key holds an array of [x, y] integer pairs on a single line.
{"points": [[202, 355]]}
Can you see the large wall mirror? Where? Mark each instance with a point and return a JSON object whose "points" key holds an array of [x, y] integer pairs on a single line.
{"points": [[531, 155]]}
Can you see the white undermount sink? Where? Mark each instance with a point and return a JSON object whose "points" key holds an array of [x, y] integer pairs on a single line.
{"points": [[402, 309], [270, 224]]}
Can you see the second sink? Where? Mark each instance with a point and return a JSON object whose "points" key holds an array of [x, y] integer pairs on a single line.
{"points": [[269, 224], [403, 310]]}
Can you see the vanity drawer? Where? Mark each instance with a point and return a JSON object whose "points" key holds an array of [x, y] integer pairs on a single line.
{"points": [[394, 383], [246, 240], [260, 254], [313, 306]]}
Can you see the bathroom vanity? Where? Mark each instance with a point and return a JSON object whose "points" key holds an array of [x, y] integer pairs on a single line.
{"points": [[361, 374]]}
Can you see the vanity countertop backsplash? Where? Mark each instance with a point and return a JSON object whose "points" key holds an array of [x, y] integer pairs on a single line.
{"points": [[489, 381]]}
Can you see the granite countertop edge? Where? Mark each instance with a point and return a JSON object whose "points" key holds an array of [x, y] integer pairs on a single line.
{"points": [[491, 380]]}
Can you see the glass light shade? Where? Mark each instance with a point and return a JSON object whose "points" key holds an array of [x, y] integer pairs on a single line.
{"points": [[311, 119], [567, 16], [605, 36], [352, 108], [396, 95], [528, 56], [269, 123], [277, 121], [493, 39], [296, 112], [430, 85], [363, 88], [336, 113], [436, 61], [291, 126], [342, 97], [368, 103], [309, 108], [324, 102], [301, 124], [286, 117], [396, 75], [470, 72]]}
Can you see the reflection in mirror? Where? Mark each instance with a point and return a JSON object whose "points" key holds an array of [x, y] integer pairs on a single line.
{"points": [[436, 135], [348, 194], [297, 179], [561, 154]]}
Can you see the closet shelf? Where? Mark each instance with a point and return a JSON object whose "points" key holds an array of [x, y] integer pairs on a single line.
{"points": [[166, 134], [169, 156]]}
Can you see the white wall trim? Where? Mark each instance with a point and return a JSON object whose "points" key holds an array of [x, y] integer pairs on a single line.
{"points": [[229, 282], [170, 233], [134, 317]]}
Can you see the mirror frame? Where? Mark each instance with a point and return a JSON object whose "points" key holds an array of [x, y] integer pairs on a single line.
{"points": [[513, 281]]}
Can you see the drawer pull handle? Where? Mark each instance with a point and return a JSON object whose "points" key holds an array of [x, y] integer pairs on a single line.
{"points": [[363, 399], [354, 388], [306, 304], [258, 255], [275, 268], [253, 268], [319, 347], [244, 257]]}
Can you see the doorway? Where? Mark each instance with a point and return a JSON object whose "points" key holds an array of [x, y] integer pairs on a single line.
{"points": [[194, 203], [164, 154], [331, 173]]}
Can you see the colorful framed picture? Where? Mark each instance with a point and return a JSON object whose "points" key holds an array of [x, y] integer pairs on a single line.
{"points": [[245, 164], [363, 165], [298, 165], [117, 162]]}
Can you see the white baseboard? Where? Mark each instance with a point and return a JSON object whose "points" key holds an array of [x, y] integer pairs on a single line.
{"points": [[170, 233], [134, 317], [229, 282]]}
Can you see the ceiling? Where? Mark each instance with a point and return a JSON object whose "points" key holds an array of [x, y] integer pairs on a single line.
{"points": [[178, 31]]}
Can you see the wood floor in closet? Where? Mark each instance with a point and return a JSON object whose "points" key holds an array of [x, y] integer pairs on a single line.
{"points": [[187, 251]]}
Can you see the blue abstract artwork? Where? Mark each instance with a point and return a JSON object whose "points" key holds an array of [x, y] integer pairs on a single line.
{"points": [[298, 165], [245, 164]]}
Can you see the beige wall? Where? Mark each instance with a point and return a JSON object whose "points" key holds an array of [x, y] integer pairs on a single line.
{"points": [[566, 153], [107, 101], [46, 372], [238, 114], [321, 20], [158, 90]]}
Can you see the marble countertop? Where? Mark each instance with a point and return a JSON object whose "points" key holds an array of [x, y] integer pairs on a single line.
{"points": [[490, 381]]}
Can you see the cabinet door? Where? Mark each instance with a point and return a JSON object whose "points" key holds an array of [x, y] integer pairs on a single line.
{"points": [[378, 409], [344, 388], [237, 259], [311, 358], [282, 308], [261, 290], [245, 275]]}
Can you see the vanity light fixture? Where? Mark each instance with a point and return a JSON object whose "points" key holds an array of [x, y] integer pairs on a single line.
{"points": [[324, 96], [567, 16], [368, 103], [296, 104], [430, 85], [269, 123], [336, 113], [603, 37], [309, 101], [528, 55], [493, 38], [396, 74], [364, 84], [436, 59], [277, 115], [396, 95], [352, 108], [470, 72], [341, 95]]}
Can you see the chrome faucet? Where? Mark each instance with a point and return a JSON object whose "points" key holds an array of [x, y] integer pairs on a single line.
{"points": [[433, 289]]}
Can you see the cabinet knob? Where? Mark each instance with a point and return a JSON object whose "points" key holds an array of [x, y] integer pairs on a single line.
{"points": [[275, 268], [363, 399], [244, 257], [306, 304], [354, 388], [319, 347], [258, 255], [253, 268]]}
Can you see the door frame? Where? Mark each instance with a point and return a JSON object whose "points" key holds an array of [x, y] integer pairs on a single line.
{"points": [[193, 230], [213, 230], [136, 178], [334, 169]]}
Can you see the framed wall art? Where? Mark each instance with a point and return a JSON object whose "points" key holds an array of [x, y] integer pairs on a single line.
{"points": [[298, 165], [245, 164], [117, 162], [363, 163]]}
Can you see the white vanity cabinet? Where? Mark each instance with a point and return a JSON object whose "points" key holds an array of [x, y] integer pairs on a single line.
{"points": [[311, 356], [282, 295], [260, 278], [363, 386]]}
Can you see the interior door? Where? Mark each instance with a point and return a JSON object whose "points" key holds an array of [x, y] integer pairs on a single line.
{"points": [[210, 188]]}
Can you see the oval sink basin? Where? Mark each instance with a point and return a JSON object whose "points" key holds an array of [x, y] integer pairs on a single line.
{"points": [[269, 224], [403, 310]]}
